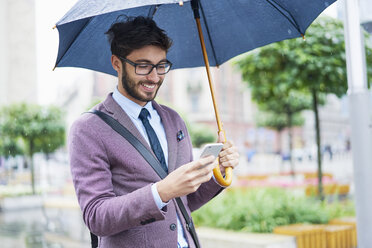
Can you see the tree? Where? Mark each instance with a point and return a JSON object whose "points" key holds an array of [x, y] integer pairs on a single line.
{"points": [[315, 67], [281, 103], [9, 147], [36, 128]]}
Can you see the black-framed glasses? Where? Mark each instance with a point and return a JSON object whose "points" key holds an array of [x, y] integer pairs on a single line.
{"points": [[146, 68]]}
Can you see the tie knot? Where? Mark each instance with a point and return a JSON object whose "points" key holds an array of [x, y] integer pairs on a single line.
{"points": [[143, 114]]}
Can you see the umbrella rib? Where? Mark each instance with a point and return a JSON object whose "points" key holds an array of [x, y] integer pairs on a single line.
{"points": [[286, 14], [73, 40], [209, 35], [153, 10]]}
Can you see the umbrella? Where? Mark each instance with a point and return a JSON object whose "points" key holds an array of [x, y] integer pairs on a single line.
{"points": [[231, 27]]}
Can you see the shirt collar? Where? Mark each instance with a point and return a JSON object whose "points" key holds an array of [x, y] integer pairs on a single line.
{"points": [[130, 108]]}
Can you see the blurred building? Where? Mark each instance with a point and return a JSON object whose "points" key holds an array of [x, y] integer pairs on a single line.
{"points": [[85, 90], [187, 90], [18, 80]]}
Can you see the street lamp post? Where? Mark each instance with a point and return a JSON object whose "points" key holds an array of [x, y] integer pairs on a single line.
{"points": [[360, 116]]}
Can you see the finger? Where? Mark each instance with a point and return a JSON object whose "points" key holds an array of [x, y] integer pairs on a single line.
{"points": [[206, 169], [206, 173], [201, 178], [207, 160], [231, 163], [221, 137], [208, 176], [227, 145], [222, 168], [213, 165], [228, 149], [228, 157], [200, 163], [204, 178]]}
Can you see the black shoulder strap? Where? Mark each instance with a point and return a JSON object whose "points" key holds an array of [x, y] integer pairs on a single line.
{"points": [[123, 131], [149, 157], [94, 240]]}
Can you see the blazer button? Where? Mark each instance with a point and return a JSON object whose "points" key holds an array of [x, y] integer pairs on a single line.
{"points": [[173, 227]]}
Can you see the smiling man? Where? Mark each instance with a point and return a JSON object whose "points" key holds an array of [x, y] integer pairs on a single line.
{"points": [[123, 200]]}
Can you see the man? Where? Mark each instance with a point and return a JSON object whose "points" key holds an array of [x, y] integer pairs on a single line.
{"points": [[123, 200]]}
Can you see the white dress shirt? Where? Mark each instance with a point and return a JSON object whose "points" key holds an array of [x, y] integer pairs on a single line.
{"points": [[133, 110]]}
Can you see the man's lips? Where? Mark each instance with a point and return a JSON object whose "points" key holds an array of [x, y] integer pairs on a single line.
{"points": [[149, 87]]}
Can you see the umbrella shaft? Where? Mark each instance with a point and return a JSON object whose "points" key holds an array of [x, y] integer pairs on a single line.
{"points": [[205, 56]]}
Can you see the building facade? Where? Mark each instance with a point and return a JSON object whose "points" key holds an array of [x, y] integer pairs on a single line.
{"points": [[18, 80], [187, 90]]}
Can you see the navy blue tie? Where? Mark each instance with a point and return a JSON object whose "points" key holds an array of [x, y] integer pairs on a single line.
{"points": [[154, 141]]}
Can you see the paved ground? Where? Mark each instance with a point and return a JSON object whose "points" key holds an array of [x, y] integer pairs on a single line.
{"points": [[29, 228]]}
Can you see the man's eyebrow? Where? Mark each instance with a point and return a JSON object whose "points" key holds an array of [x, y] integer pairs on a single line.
{"points": [[148, 61]]}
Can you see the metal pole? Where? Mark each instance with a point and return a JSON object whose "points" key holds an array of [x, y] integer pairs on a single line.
{"points": [[360, 116]]}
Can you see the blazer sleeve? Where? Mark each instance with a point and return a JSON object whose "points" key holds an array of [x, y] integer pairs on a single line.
{"points": [[104, 212], [204, 194], [206, 191]]}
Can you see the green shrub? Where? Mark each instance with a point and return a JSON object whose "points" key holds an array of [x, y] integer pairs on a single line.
{"points": [[261, 210], [201, 134]]}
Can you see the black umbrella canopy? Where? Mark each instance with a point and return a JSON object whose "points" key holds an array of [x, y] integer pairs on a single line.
{"points": [[230, 28]]}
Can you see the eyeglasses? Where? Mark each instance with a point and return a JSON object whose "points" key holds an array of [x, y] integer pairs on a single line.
{"points": [[145, 69]]}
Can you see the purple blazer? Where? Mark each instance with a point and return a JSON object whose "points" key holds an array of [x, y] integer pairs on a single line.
{"points": [[113, 181]]}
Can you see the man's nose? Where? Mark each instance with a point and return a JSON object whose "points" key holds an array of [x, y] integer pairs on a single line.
{"points": [[153, 76]]}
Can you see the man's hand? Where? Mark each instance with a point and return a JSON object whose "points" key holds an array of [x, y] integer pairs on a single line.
{"points": [[186, 179], [229, 156]]}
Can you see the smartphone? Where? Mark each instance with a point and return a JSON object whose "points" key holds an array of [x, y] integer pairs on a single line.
{"points": [[211, 149]]}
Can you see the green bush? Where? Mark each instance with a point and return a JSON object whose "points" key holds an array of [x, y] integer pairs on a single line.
{"points": [[261, 210], [201, 134]]}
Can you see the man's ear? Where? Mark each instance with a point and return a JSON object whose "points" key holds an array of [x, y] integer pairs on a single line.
{"points": [[116, 63]]}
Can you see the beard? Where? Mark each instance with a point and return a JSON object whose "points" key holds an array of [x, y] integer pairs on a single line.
{"points": [[132, 88]]}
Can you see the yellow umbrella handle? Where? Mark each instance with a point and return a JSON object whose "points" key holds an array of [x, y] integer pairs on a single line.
{"points": [[224, 181]]}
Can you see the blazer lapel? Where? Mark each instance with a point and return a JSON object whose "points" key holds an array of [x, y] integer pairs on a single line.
{"points": [[170, 133], [114, 109]]}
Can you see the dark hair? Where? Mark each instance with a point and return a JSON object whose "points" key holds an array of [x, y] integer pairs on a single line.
{"points": [[135, 33]]}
